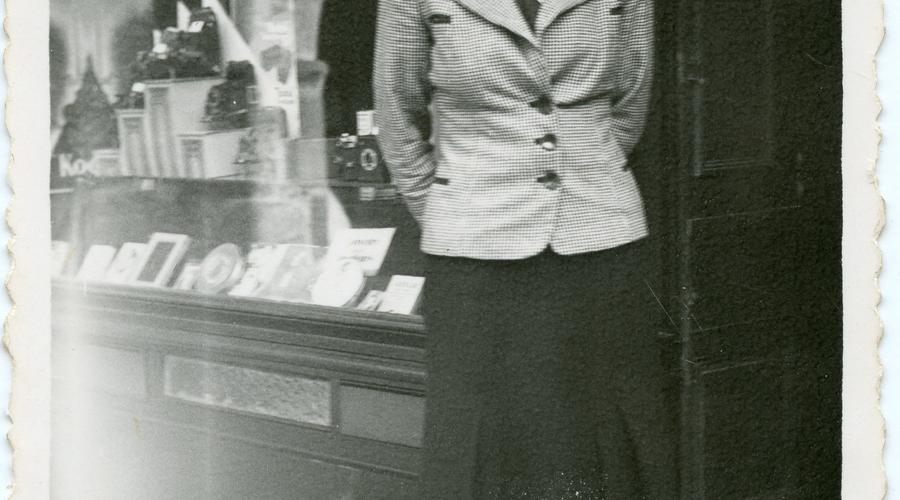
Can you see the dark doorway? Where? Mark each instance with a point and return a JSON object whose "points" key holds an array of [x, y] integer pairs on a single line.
{"points": [[740, 168]]}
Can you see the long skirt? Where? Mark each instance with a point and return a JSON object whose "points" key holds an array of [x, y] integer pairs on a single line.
{"points": [[544, 380]]}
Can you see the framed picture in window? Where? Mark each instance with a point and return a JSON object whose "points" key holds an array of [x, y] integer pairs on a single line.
{"points": [[164, 253]]}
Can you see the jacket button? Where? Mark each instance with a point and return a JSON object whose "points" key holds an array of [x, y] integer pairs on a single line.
{"points": [[548, 142], [550, 180], [544, 105]]}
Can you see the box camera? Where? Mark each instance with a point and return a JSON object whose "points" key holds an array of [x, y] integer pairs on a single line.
{"points": [[358, 158], [194, 52], [228, 104]]}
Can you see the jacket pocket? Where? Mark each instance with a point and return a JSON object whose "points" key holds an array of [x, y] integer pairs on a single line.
{"points": [[435, 19], [444, 206], [445, 61]]}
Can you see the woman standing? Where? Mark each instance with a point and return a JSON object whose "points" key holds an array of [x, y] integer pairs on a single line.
{"points": [[543, 373]]}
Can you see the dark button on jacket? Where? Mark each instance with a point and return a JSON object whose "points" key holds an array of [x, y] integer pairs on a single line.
{"points": [[550, 180], [548, 142], [544, 105]]}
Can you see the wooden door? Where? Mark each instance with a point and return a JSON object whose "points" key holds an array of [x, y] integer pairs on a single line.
{"points": [[754, 241]]}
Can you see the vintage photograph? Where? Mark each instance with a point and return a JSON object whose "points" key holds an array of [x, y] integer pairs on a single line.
{"points": [[446, 249]]}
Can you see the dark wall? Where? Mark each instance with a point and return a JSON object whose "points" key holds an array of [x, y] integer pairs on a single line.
{"points": [[346, 43]]}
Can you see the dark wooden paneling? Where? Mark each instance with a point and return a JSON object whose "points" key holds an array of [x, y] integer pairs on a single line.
{"points": [[736, 50], [743, 267], [755, 231], [742, 342], [742, 190], [219, 424], [744, 431], [382, 415]]}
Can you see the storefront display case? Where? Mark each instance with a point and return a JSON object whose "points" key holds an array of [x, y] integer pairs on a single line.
{"points": [[234, 295], [327, 396]]}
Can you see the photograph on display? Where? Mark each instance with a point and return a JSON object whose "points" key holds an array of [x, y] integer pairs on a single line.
{"points": [[452, 249]]}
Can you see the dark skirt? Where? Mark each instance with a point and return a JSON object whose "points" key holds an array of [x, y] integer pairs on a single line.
{"points": [[545, 380]]}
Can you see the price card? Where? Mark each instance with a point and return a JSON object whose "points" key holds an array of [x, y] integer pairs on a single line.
{"points": [[402, 294], [367, 246], [95, 263], [365, 122]]}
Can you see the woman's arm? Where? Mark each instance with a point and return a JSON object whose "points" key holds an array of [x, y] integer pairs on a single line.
{"points": [[402, 95], [629, 113]]}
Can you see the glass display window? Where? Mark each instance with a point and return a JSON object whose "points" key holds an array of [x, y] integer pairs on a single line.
{"points": [[330, 243]]}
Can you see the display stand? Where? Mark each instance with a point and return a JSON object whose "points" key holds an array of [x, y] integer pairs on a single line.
{"points": [[174, 107], [136, 158], [206, 155]]}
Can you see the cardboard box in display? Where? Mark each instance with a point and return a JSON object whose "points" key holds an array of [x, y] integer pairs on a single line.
{"points": [[174, 107], [208, 155]]}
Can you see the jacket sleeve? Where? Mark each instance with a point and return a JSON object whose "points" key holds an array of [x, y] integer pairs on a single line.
{"points": [[629, 111], [402, 96]]}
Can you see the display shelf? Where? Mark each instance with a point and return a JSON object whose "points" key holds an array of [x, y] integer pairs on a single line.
{"points": [[248, 181], [242, 211], [125, 296], [375, 348]]}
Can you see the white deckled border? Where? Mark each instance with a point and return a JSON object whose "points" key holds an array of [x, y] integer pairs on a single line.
{"points": [[28, 121], [863, 427], [28, 325]]}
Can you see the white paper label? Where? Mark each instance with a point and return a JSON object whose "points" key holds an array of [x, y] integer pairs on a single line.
{"points": [[365, 122], [366, 246], [402, 294]]}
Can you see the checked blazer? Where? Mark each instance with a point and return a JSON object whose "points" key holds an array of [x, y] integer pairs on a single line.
{"points": [[505, 139]]}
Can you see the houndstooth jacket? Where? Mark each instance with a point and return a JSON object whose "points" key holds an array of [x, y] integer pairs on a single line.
{"points": [[503, 139]]}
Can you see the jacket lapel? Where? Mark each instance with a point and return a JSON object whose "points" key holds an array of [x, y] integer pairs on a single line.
{"points": [[503, 13], [551, 10]]}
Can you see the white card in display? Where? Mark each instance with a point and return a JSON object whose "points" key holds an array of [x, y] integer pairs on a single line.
{"points": [[124, 266], [95, 263], [367, 246], [402, 294], [339, 284]]}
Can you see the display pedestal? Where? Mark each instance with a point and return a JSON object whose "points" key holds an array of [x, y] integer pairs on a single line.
{"points": [[206, 155], [174, 107], [136, 158]]}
